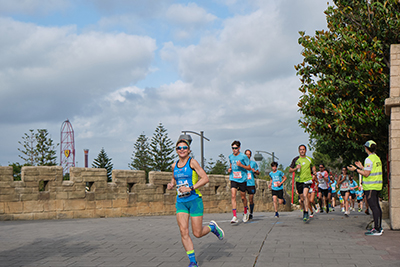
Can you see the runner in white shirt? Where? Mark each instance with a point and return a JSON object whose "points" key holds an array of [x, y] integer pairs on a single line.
{"points": [[323, 182], [344, 182]]}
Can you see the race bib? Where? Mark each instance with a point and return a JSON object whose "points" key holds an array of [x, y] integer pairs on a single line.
{"points": [[182, 194], [248, 176], [345, 185], [237, 175], [276, 184]]}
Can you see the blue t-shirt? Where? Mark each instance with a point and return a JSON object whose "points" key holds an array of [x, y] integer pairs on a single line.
{"points": [[333, 186], [250, 174], [276, 177], [238, 174], [353, 184], [359, 194], [186, 176]]}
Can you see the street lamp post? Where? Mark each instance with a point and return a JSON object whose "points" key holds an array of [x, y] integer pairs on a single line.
{"points": [[189, 139], [259, 157]]}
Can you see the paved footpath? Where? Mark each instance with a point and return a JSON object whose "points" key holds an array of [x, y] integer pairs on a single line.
{"points": [[327, 240]]}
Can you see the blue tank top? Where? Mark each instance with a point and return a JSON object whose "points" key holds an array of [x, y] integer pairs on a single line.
{"points": [[186, 176]]}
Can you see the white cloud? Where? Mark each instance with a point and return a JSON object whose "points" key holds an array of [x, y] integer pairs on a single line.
{"points": [[39, 63], [188, 18], [191, 14]]}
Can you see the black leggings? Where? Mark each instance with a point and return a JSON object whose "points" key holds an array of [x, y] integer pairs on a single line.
{"points": [[373, 202]]}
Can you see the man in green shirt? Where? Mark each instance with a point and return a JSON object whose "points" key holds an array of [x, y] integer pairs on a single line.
{"points": [[304, 169]]}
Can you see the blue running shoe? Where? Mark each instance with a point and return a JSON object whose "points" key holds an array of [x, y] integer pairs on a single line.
{"points": [[217, 230], [193, 264]]}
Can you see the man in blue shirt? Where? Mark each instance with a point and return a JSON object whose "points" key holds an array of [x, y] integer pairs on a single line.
{"points": [[251, 183], [239, 165]]}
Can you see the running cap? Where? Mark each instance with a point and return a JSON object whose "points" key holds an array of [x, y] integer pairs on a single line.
{"points": [[369, 143], [183, 140]]}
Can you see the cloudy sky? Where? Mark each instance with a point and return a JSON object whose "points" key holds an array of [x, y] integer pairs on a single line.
{"points": [[116, 69]]}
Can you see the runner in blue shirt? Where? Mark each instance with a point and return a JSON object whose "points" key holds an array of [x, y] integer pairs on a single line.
{"points": [[251, 183], [276, 186], [353, 188], [360, 197], [189, 204], [333, 187], [239, 165]]}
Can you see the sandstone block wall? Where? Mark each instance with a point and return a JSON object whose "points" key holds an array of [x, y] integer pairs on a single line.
{"points": [[392, 106], [88, 194]]}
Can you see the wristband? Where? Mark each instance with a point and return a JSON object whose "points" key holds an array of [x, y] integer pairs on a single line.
{"points": [[191, 188]]}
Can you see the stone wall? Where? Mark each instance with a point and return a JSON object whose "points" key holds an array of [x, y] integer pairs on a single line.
{"points": [[392, 106], [88, 194]]}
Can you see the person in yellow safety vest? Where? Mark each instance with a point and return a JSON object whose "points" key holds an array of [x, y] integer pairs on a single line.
{"points": [[372, 184]]}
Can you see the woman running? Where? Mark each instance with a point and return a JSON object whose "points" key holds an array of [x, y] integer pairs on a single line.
{"points": [[344, 182], [186, 172]]}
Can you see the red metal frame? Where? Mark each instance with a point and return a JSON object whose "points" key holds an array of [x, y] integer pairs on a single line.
{"points": [[67, 147]]}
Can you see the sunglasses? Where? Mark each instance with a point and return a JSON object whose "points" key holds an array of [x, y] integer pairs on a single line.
{"points": [[235, 147], [182, 147]]}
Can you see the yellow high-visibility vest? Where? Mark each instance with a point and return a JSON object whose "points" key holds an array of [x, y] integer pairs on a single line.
{"points": [[374, 181]]}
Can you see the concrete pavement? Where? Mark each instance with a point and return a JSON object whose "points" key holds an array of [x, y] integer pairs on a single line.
{"points": [[327, 240]]}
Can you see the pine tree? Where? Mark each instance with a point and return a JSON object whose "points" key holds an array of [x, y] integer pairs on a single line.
{"points": [[38, 148], [45, 149], [103, 161], [141, 158], [161, 150], [29, 141], [219, 167]]}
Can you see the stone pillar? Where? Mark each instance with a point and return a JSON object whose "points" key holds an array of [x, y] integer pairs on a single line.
{"points": [[392, 108]]}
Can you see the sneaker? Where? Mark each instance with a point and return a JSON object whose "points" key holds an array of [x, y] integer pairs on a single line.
{"points": [[234, 220], [359, 209], [276, 215], [250, 216], [343, 210], [217, 230], [367, 211], [317, 210], [312, 215], [304, 217], [330, 209], [346, 213], [333, 209], [327, 209], [193, 264], [374, 232], [245, 217], [284, 201], [352, 209]]}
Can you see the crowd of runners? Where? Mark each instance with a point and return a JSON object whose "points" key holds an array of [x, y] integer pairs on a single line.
{"points": [[319, 190]]}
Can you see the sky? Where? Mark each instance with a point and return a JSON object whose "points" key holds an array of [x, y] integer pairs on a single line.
{"points": [[117, 69]]}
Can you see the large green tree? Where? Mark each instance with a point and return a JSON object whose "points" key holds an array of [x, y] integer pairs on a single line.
{"points": [[103, 161], [141, 159], [345, 77], [161, 150]]}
